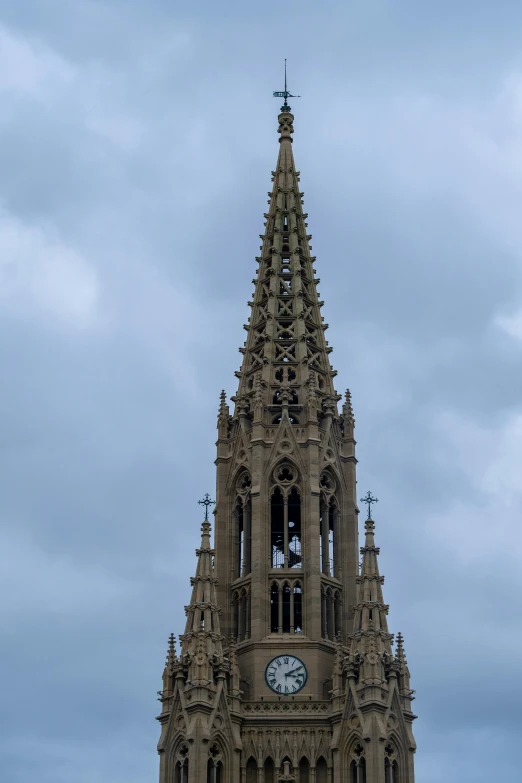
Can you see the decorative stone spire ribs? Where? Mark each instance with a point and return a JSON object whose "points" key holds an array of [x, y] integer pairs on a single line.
{"points": [[285, 341]]}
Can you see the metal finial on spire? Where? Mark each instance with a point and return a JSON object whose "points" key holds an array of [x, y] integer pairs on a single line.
{"points": [[285, 94], [369, 499], [206, 502]]}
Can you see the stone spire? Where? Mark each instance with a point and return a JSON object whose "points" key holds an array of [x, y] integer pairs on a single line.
{"points": [[285, 324], [371, 642], [286, 571], [201, 644], [370, 611], [194, 696], [377, 681]]}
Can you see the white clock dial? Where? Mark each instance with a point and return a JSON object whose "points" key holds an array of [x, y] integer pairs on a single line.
{"points": [[286, 674]]}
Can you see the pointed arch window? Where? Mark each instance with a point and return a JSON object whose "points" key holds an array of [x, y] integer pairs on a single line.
{"points": [[274, 608], [241, 619], [328, 528], [297, 609], [390, 772], [286, 607], [251, 771], [331, 613], [304, 771], [321, 771], [391, 767], [358, 765], [337, 614], [269, 771], [294, 529], [243, 516], [235, 615], [215, 766], [285, 522], [240, 538], [214, 772], [277, 528], [358, 771], [181, 771]]}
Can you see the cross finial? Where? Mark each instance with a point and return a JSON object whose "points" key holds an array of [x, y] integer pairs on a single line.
{"points": [[206, 502], [369, 499], [285, 94]]}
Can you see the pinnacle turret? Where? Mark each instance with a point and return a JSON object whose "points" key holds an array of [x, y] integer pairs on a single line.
{"points": [[171, 654], [403, 671], [201, 644], [347, 406], [370, 611]]}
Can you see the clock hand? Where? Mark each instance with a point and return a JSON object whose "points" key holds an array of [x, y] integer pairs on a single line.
{"points": [[293, 670]]}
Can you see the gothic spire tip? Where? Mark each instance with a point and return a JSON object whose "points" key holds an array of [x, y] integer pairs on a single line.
{"points": [[285, 94]]}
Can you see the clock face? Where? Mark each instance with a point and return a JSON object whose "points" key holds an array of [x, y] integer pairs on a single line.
{"points": [[286, 674]]}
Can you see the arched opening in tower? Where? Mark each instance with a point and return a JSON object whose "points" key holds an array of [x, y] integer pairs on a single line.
{"points": [[304, 771], [181, 772], [327, 537], [251, 771], [215, 772], [277, 528], [294, 529], [243, 536], [358, 771], [269, 771], [298, 609], [321, 771], [274, 608]]}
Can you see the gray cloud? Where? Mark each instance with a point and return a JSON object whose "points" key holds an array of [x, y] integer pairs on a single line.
{"points": [[137, 141]]}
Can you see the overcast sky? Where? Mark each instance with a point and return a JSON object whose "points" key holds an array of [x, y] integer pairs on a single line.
{"points": [[136, 143]]}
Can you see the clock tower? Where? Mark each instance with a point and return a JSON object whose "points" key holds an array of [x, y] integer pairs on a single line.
{"points": [[287, 670]]}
